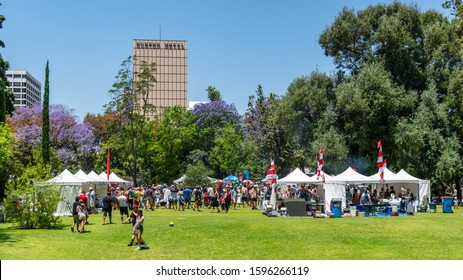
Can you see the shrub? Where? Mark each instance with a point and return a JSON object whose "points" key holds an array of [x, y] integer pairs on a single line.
{"points": [[30, 205]]}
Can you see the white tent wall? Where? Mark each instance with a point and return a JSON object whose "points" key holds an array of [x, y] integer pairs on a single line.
{"points": [[68, 193], [424, 186], [334, 191], [425, 190]]}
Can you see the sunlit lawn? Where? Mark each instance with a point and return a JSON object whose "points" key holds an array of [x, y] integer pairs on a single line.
{"points": [[245, 234]]}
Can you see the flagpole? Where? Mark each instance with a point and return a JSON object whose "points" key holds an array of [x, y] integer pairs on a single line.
{"points": [[108, 167]]}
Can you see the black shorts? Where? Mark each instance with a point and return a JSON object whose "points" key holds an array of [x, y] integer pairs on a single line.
{"points": [[107, 211], [124, 210]]}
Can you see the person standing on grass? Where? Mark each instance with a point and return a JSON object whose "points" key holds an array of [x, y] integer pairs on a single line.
{"points": [[234, 197], [137, 197], [166, 192], [123, 206], [214, 200], [91, 198], [75, 216], [107, 208], [181, 201], [227, 199], [149, 195], [253, 193], [187, 196], [82, 214], [133, 218], [130, 197], [198, 199], [174, 195], [114, 197], [138, 230]]}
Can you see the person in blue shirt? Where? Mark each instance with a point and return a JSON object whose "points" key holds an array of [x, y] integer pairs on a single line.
{"points": [[187, 196]]}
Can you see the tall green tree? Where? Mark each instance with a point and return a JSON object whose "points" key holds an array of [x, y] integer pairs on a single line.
{"points": [[297, 115], [427, 146], [414, 46], [175, 137], [130, 105], [46, 118], [3, 81], [3, 90], [261, 129], [370, 105]]}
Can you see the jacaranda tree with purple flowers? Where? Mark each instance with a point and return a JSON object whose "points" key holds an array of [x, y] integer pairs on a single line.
{"points": [[212, 116], [73, 143]]}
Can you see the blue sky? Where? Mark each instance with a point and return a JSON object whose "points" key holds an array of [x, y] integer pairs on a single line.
{"points": [[232, 45]]}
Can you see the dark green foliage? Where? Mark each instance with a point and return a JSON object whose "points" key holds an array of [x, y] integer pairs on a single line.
{"points": [[29, 205], [197, 174], [46, 119], [213, 94]]}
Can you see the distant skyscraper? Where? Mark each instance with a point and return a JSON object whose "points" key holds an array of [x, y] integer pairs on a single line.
{"points": [[171, 75], [26, 88]]}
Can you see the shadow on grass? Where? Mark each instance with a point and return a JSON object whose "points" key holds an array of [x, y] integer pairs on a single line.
{"points": [[8, 238]]}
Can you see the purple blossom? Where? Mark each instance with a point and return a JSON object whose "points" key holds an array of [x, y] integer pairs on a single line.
{"points": [[69, 138], [215, 114]]}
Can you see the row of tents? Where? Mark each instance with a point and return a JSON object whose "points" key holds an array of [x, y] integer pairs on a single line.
{"points": [[335, 186], [71, 185]]}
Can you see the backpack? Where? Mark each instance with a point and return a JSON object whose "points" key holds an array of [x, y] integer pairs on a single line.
{"points": [[131, 194]]}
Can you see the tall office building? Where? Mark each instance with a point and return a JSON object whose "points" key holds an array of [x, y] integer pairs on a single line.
{"points": [[26, 88], [171, 74]]}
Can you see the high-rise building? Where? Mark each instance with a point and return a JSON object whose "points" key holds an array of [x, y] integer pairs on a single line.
{"points": [[26, 88], [170, 57]]}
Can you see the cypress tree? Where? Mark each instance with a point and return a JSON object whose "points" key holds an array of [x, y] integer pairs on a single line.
{"points": [[3, 81], [46, 120]]}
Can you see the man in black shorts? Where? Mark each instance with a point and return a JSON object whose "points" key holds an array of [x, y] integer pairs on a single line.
{"points": [[107, 208]]}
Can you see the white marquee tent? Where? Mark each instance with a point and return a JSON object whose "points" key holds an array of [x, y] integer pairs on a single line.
{"points": [[295, 177], [92, 180], [95, 177], [391, 178], [70, 186], [424, 186], [335, 186]]}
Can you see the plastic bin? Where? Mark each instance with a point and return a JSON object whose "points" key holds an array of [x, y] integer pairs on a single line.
{"points": [[432, 207], [447, 204], [336, 207]]}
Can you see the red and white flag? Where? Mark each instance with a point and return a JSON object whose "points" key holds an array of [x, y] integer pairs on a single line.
{"points": [[272, 173], [320, 163], [381, 161]]}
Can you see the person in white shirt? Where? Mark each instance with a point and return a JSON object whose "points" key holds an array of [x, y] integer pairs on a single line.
{"points": [[123, 205]]}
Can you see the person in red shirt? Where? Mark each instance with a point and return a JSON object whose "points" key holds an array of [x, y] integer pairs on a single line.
{"points": [[84, 199]]}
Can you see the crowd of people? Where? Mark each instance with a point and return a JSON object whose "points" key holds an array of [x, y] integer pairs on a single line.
{"points": [[216, 197]]}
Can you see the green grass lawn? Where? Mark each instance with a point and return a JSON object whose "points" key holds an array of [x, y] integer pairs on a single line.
{"points": [[245, 234]]}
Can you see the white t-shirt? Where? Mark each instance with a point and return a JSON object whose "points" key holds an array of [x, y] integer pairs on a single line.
{"points": [[122, 201]]}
